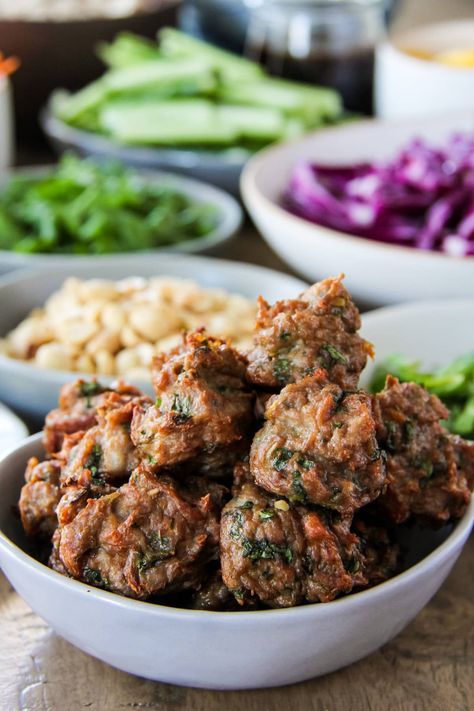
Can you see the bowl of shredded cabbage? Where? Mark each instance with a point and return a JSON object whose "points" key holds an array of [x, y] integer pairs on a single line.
{"points": [[391, 203]]}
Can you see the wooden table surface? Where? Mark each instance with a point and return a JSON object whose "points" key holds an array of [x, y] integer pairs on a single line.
{"points": [[429, 666]]}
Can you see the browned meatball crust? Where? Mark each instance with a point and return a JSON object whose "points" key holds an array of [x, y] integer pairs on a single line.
{"points": [[284, 554], [150, 536], [77, 411], [40, 497], [203, 410], [106, 451], [425, 475], [319, 445], [294, 338]]}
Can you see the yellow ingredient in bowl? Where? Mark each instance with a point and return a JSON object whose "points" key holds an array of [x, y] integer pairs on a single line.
{"points": [[462, 58]]}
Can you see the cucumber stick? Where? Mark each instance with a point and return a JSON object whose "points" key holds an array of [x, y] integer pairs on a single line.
{"points": [[126, 50], [191, 122], [175, 44], [163, 76], [311, 104]]}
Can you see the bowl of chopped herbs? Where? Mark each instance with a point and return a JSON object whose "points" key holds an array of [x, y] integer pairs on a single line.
{"points": [[83, 208]]}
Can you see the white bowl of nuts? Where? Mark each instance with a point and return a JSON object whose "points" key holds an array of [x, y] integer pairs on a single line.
{"points": [[110, 320]]}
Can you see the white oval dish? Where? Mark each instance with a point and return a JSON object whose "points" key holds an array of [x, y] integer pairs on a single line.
{"points": [[228, 224], [34, 391], [224, 650], [376, 273]]}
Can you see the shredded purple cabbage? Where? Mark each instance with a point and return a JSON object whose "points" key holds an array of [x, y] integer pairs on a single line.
{"points": [[423, 198]]}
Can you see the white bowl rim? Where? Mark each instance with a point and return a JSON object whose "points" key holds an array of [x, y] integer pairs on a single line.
{"points": [[396, 39], [254, 166], [229, 217], [313, 610], [57, 376]]}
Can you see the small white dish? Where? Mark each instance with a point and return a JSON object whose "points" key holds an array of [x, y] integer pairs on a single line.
{"points": [[228, 224], [238, 650], [376, 273], [33, 391], [408, 85]]}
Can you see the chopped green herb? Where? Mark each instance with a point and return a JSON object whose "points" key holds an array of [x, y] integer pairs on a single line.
{"points": [[88, 390], [299, 495], [93, 577], [181, 405], [281, 370], [408, 430], [151, 459], [353, 565], [333, 354], [337, 425], [281, 458], [392, 429], [145, 562], [93, 464], [376, 454], [305, 462], [239, 593], [335, 494], [246, 505], [424, 464], [162, 545], [158, 402], [265, 514], [263, 549], [236, 528]]}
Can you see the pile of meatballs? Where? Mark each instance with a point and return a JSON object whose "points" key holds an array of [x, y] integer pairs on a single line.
{"points": [[250, 481]]}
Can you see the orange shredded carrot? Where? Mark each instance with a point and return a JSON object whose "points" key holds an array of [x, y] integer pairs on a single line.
{"points": [[8, 65]]}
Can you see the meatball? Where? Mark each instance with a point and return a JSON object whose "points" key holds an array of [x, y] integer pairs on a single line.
{"points": [[203, 410], [319, 330], [40, 497], [214, 595], [381, 553], [425, 465], [77, 411], [150, 536], [282, 554], [319, 445]]}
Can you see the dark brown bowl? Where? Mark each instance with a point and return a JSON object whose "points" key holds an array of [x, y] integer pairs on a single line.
{"points": [[62, 54]]}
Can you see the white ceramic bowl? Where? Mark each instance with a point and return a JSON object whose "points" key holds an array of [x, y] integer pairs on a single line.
{"points": [[12, 429], [34, 391], [238, 650], [406, 85], [229, 220], [376, 273]]}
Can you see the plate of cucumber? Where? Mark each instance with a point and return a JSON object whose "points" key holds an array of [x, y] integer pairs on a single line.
{"points": [[182, 104]]}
